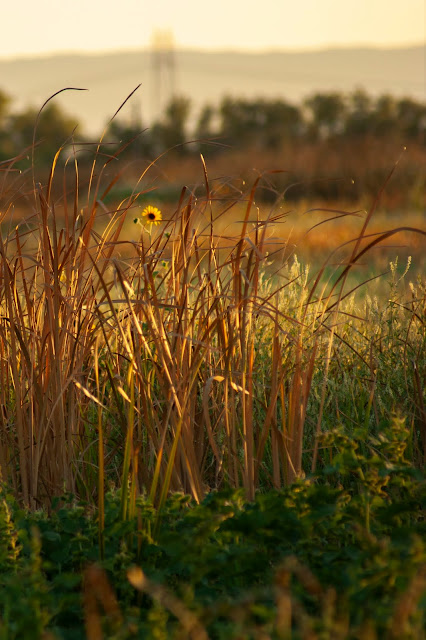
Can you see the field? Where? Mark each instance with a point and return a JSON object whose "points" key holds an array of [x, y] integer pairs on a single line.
{"points": [[212, 417]]}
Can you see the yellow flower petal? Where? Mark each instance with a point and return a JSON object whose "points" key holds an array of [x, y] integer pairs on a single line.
{"points": [[152, 215]]}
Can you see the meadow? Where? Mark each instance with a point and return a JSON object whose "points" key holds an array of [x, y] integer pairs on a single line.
{"points": [[201, 435]]}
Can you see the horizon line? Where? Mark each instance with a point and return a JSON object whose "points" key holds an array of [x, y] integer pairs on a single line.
{"points": [[212, 50]]}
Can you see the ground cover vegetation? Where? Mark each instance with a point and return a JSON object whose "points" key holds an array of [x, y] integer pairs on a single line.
{"points": [[198, 437]]}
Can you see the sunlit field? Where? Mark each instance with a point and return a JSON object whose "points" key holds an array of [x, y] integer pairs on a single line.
{"points": [[212, 417]]}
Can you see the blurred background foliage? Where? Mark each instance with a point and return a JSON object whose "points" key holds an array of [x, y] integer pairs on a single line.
{"points": [[332, 146], [261, 123]]}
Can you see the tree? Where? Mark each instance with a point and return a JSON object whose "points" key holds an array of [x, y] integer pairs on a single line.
{"points": [[6, 149], [327, 111], [283, 122], [4, 106], [132, 138], [259, 122], [54, 127], [203, 129], [241, 120], [411, 118], [384, 116], [171, 132], [358, 119]]}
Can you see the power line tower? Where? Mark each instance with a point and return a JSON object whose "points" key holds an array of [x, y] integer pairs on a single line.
{"points": [[163, 70]]}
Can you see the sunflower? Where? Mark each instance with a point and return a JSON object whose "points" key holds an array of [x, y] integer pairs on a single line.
{"points": [[152, 215]]}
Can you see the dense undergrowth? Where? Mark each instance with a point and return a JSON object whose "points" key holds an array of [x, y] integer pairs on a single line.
{"points": [[337, 555]]}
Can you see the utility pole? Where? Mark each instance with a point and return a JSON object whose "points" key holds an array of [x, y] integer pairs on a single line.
{"points": [[163, 70]]}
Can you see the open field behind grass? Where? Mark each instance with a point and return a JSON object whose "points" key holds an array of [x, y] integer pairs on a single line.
{"points": [[142, 362]]}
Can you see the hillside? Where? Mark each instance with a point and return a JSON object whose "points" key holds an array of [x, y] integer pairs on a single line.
{"points": [[206, 77]]}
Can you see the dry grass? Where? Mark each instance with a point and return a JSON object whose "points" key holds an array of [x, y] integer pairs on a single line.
{"points": [[160, 361]]}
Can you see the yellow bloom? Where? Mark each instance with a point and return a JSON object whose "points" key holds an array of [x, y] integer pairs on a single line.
{"points": [[152, 214]]}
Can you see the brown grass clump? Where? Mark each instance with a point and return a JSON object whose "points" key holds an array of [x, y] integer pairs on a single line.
{"points": [[135, 358]]}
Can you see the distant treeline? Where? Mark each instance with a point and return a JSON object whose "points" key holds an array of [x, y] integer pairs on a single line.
{"points": [[266, 124], [260, 124]]}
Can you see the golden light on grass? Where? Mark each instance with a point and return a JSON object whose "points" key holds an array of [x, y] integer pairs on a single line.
{"points": [[194, 351]]}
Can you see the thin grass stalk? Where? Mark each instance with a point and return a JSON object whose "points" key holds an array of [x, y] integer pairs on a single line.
{"points": [[101, 457], [125, 477], [278, 372], [9, 286], [322, 400]]}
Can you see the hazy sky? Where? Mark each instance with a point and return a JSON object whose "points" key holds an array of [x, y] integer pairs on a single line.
{"points": [[42, 26]]}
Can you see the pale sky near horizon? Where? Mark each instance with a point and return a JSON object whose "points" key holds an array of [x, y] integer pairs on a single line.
{"points": [[37, 28]]}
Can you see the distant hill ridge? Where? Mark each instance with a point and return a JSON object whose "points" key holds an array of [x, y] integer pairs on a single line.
{"points": [[206, 77]]}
